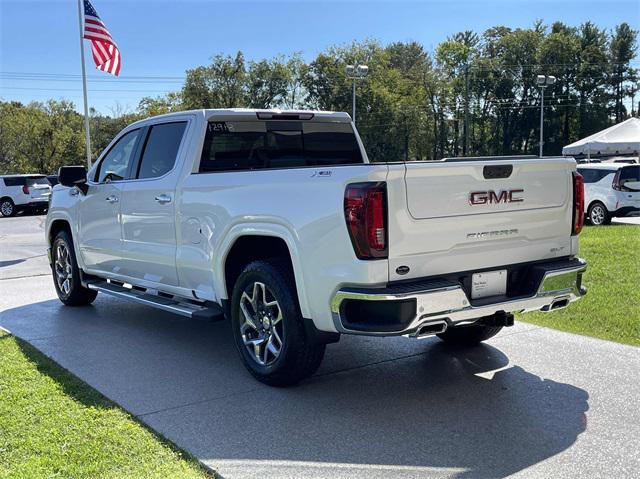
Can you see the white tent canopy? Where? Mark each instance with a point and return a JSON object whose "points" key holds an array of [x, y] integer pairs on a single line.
{"points": [[620, 139]]}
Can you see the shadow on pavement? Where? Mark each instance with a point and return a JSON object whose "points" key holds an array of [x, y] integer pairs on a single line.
{"points": [[11, 262], [411, 406]]}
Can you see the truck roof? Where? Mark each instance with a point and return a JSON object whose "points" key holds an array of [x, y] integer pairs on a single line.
{"points": [[247, 114]]}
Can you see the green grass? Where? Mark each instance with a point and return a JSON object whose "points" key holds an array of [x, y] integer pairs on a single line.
{"points": [[54, 425], [611, 309]]}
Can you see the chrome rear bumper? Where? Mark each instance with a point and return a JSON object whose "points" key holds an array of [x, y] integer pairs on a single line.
{"points": [[559, 285]]}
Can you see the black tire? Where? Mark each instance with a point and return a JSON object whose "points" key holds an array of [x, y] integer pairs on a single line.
{"points": [[65, 263], [598, 214], [470, 335], [300, 354], [7, 207]]}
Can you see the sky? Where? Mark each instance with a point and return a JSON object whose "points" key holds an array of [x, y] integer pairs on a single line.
{"points": [[159, 40]]}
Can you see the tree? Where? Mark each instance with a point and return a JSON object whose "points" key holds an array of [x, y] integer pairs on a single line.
{"points": [[219, 85], [476, 96], [622, 49]]}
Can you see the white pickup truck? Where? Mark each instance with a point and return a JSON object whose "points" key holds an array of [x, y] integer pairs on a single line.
{"points": [[278, 222]]}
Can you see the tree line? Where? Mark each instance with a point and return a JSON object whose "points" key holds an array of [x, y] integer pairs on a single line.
{"points": [[476, 94]]}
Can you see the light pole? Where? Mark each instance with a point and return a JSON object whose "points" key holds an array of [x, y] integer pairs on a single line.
{"points": [[543, 82], [355, 72]]}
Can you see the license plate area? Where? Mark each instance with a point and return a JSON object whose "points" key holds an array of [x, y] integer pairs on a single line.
{"points": [[489, 283]]}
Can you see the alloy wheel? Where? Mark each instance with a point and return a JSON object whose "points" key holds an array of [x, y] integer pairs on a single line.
{"points": [[6, 208], [597, 215], [63, 269], [261, 325]]}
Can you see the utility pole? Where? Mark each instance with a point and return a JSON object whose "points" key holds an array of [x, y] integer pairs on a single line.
{"points": [[355, 72], [543, 82]]}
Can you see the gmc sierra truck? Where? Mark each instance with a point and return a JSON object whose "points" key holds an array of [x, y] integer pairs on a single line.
{"points": [[277, 221]]}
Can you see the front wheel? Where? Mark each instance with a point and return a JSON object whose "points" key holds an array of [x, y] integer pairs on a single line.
{"points": [[268, 327], [66, 274], [470, 335]]}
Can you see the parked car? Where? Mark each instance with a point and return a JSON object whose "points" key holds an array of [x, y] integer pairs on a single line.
{"points": [[279, 222], [23, 192], [53, 180], [611, 190]]}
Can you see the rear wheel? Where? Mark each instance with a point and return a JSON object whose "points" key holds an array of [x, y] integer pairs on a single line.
{"points": [[268, 327], [598, 214], [7, 208], [469, 335], [66, 274]]}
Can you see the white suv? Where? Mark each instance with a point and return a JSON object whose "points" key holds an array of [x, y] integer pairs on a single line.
{"points": [[20, 192], [611, 190]]}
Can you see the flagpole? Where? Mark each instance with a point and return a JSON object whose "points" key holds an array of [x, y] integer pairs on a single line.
{"points": [[84, 88]]}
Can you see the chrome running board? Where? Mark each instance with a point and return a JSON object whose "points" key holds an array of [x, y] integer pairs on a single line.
{"points": [[172, 304]]}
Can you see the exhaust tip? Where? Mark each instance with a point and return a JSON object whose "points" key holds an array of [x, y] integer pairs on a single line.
{"points": [[556, 304], [429, 329]]}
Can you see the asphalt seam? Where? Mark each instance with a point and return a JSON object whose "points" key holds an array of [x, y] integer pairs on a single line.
{"points": [[26, 276], [201, 401]]}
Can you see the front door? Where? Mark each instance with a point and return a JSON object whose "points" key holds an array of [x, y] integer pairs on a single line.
{"points": [[99, 230], [148, 208]]}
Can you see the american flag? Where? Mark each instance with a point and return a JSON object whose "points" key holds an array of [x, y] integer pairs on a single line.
{"points": [[105, 52]]}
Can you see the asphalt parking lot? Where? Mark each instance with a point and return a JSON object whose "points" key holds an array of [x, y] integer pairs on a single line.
{"points": [[532, 402]]}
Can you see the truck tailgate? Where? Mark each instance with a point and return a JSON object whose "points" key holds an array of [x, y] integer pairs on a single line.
{"points": [[475, 215]]}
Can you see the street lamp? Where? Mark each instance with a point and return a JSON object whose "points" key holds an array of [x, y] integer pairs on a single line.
{"points": [[543, 82], [356, 72]]}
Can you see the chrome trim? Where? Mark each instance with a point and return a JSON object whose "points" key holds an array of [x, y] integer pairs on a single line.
{"points": [[453, 305], [181, 308]]}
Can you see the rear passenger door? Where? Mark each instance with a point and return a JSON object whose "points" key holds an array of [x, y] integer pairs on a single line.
{"points": [[148, 207]]}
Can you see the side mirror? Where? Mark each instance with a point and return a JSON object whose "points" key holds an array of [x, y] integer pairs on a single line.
{"points": [[73, 176]]}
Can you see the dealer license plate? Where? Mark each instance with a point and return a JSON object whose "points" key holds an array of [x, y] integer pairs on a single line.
{"points": [[489, 283]]}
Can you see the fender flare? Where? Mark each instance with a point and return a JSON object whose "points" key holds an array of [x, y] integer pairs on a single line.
{"points": [[260, 229], [61, 215]]}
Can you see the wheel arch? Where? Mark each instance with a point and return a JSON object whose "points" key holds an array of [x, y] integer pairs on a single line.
{"points": [[594, 201], [55, 228], [250, 243], [57, 221]]}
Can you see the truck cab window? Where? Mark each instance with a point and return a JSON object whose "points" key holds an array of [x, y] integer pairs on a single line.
{"points": [[161, 149], [115, 164], [253, 145]]}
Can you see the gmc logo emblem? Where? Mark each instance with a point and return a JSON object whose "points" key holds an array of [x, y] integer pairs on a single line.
{"points": [[491, 197]]}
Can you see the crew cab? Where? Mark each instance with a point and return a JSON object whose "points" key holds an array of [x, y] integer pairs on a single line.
{"points": [[278, 222]]}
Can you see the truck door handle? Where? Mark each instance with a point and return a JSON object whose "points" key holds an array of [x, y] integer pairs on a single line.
{"points": [[112, 199], [162, 199]]}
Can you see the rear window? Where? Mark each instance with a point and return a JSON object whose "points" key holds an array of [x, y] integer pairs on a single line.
{"points": [[254, 145], [37, 181], [25, 180], [593, 175], [161, 149], [630, 173]]}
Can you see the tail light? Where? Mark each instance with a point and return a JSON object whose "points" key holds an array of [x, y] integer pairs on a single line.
{"points": [[616, 181], [25, 189], [365, 211], [578, 203]]}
